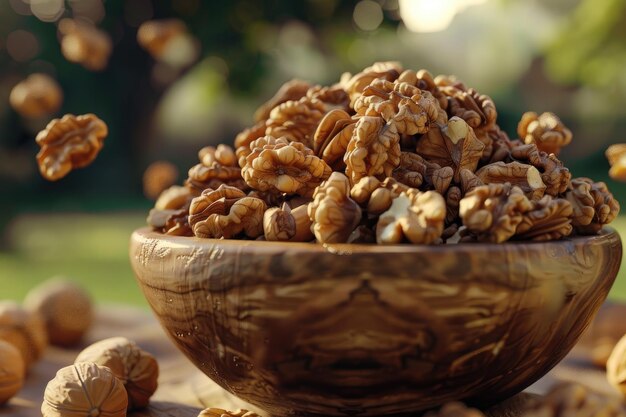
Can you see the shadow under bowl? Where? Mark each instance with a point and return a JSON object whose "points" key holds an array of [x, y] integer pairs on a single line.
{"points": [[307, 329]]}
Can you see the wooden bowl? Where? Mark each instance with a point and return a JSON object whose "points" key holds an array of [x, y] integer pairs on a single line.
{"points": [[334, 330]]}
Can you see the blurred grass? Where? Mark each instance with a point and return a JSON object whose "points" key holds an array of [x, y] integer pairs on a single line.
{"points": [[93, 250]]}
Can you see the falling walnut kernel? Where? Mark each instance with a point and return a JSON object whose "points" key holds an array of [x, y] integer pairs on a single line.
{"points": [[136, 369], [334, 215], [158, 177], [572, 399], [23, 329], [616, 154], [593, 205], [292, 90], [155, 35], [282, 166], [524, 176], [85, 44], [492, 212], [413, 216], [545, 130], [84, 389], [12, 371], [454, 145], [36, 96], [225, 213], [68, 143], [218, 412], [66, 309], [296, 120], [549, 219], [412, 110], [374, 149]]}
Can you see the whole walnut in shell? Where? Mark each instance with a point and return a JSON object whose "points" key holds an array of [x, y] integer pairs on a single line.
{"points": [[36, 96], [12, 370], [66, 309], [135, 368], [616, 366], [23, 329], [84, 390]]}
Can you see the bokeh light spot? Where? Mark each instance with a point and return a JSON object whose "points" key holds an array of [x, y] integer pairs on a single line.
{"points": [[47, 10], [368, 15], [22, 45]]}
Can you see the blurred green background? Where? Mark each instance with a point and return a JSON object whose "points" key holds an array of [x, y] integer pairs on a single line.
{"points": [[565, 56]]}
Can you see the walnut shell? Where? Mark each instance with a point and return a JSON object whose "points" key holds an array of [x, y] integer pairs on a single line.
{"points": [[136, 368], [66, 309], [36, 96], [84, 389], [12, 370], [616, 366], [23, 329]]}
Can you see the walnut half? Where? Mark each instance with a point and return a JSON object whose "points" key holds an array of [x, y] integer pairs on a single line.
{"points": [[225, 213], [333, 213], [413, 216]]}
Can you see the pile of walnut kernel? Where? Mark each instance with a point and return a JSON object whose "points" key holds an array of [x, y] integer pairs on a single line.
{"points": [[387, 156]]}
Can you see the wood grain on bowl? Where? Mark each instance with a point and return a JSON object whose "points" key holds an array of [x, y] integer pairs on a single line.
{"points": [[305, 329]]}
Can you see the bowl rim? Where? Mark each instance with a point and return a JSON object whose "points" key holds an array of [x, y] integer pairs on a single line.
{"points": [[605, 236]]}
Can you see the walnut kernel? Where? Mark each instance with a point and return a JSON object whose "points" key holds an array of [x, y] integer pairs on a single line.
{"points": [[286, 224], [226, 212], [545, 130], [85, 44], [282, 166], [413, 216], [218, 412], [334, 215], [159, 176], [68, 143], [36, 96], [616, 154]]}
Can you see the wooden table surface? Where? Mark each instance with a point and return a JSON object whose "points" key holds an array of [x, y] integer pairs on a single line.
{"points": [[184, 391]]}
